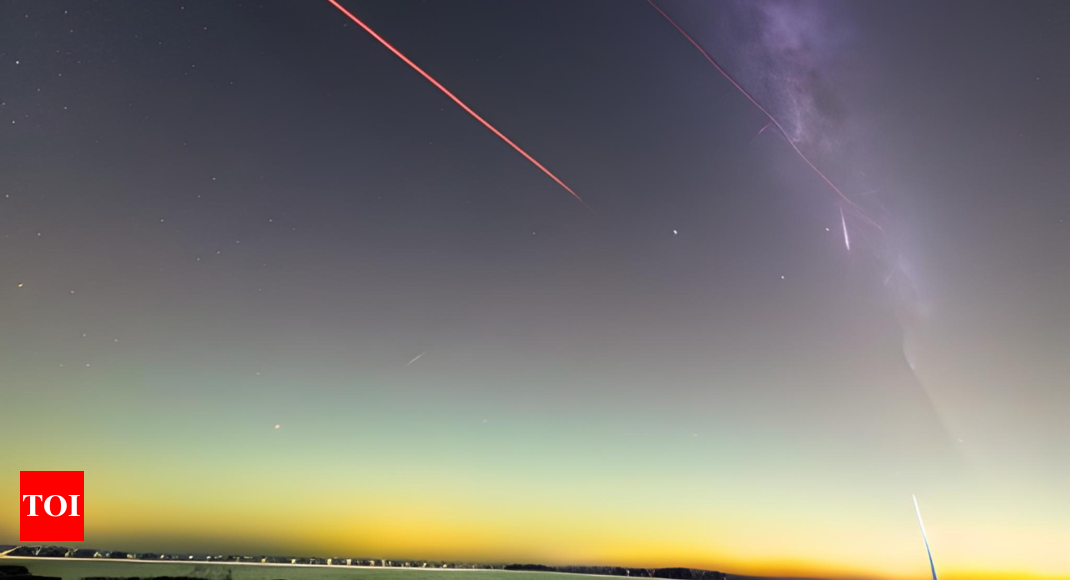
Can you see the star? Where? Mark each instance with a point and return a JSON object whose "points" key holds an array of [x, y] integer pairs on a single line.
{"points": [[674, 232], [277, 425]]}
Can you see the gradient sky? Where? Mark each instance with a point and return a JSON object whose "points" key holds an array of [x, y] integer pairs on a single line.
{"points": [[218, 217]]}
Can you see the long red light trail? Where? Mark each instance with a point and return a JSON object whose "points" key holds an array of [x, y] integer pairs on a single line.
{"points": [[454, 98], [772, 119]]}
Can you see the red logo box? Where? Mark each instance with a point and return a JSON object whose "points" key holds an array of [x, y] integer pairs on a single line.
{"points": [[51, 506]]}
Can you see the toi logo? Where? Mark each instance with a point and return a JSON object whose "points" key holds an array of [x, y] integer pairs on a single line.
{"points": [[51, 504]]}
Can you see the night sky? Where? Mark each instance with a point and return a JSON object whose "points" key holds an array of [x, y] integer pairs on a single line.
{"points": [[227, 229]]}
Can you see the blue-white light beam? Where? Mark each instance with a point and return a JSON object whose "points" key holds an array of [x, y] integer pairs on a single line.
{"points": [[924, 537]]}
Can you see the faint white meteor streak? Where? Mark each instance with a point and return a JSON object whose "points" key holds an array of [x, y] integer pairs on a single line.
{"points": [[846, 238], [924, 537], [416, 359]]}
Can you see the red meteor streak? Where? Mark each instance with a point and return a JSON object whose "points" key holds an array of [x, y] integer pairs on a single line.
{"points": [[455, 99], [772, 119], [762, 130]]}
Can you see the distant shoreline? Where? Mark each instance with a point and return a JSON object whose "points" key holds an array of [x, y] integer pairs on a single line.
{"points": [[285, 564], [512, 569], [63, 567], [61, 553]]}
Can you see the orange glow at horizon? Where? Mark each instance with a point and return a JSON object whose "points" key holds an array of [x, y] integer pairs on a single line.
{"points": [[455, 526]]}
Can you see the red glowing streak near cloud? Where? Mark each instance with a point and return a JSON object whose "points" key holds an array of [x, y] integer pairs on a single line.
{"points": [[772, 119], [454, 98]]}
